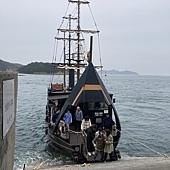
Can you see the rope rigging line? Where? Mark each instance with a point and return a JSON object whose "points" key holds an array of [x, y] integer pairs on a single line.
{"points": [[74, 12], [54, 60], [56, 44], [52, 76], [58, 31], [100, 53], [55, 49], [163, 155], [98, 37], [54, 56], [64, 15], [93, 18]]}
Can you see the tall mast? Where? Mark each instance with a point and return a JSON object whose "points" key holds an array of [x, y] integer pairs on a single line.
{"points": [[71, 71], [64, 61], [91, 48], [73, 62], [78, 47], [69, 42]]}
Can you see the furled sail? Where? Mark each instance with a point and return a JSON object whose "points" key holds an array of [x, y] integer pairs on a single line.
{"points": [[78, 31], [80, 2], [73, 39], [74, 67]]}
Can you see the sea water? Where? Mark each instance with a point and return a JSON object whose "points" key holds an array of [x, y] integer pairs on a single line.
{"points": [[142, 103]]}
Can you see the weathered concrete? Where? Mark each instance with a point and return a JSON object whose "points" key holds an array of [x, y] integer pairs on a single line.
{"points": [[8, 143], [131, 163]]}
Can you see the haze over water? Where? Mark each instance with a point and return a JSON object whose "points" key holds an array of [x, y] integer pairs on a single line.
{"points": [[142, 103]]}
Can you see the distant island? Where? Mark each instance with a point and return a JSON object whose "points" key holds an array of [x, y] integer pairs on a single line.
{"points": [[39, 68], [31, 68], [47, 68], [115, 72]]}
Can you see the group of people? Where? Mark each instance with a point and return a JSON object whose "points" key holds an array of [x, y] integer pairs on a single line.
{"points": [[80, 123], [68, 118], [78, 119], [103, 143], [98, 141]]}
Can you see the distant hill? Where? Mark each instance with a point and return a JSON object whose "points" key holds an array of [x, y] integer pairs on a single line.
{"points": [[115, 72], [38, 68], [47, 68], [6, 66]]}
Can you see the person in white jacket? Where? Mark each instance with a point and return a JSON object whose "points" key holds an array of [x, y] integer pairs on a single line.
{"points": [[86, 123]]}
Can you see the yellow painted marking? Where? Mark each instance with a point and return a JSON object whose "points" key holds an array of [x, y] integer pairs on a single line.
{"points": [[92, 87]]}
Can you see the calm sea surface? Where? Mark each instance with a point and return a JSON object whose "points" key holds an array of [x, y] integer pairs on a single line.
{"points": [[142, 102]]}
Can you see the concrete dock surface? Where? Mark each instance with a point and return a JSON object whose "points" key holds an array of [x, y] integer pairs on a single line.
{"points": [[130, 163]]}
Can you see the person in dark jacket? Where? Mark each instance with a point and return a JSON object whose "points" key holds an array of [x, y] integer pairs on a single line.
{"points": [[108, 122], [55, 116], [90, 136]]}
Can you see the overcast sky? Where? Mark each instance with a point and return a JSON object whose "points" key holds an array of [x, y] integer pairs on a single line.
{"points": [[135, 34]]}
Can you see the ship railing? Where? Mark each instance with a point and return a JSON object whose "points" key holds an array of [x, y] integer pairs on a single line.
{"points": [[79, 138], [75, 138]]}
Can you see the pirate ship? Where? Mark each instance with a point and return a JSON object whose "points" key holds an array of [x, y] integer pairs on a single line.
{"points": [[84, 88]]}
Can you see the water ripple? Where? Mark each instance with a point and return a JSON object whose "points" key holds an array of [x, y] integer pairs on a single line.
{"points": [[142, 102]]}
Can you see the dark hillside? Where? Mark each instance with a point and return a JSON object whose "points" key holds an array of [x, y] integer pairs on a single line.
{"points": [[5, 66], [38, 68]]}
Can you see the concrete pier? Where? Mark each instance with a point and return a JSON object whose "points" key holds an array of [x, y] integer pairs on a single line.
{"points": [[8, 103], [131, 163]]}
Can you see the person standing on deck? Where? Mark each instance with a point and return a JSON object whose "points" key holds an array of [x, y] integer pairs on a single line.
{"points": [[99, 131], [54, 109], [98, 143], [78, 119], [90, 136], [108, 122], [67, 119], [86, 123], [55, 116], [108, 148]]}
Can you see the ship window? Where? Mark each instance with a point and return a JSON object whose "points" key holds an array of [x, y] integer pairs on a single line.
{"points": [[97, 106], [98, 114], [106, 111], [98, 120]]}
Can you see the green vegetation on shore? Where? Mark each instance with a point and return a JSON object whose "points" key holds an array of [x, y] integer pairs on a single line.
{"points": [[39, 68], [31, 68], [6, 66], [47, 68]]}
